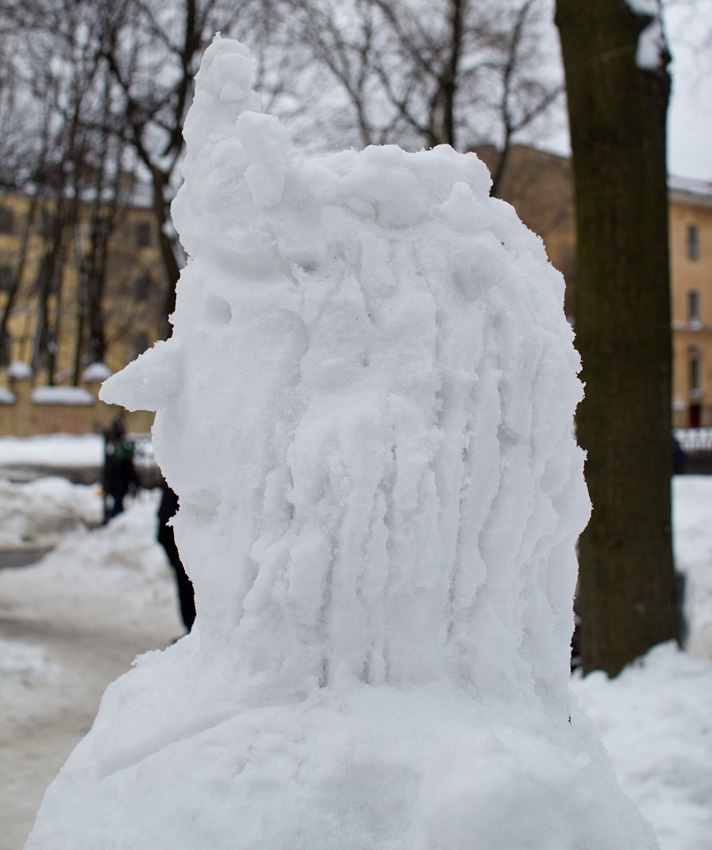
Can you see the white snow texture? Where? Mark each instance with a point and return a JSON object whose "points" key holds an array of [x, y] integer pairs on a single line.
{"points": [[366, 410], [651, 51]]}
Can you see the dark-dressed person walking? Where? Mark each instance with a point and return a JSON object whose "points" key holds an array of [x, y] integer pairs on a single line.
{"points": [[166, 537], [120, 476]]}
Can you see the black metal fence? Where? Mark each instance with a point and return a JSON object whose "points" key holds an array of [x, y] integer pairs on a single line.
{"points": [[693, 451]]}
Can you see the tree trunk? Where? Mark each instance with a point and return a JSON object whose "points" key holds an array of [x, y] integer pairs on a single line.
{"points": [[167, 248], [617, 111]]}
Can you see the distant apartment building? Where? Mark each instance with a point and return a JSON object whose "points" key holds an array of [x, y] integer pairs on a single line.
{"points": [[44, 276], [76, 285], [691, 259], [539, 185]]}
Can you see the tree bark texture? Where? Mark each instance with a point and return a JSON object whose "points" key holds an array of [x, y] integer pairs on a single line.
{"points": [[627, 597]]}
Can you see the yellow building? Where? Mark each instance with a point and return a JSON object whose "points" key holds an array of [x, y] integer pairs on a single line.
{"points": [[691, 260], [56, 260], [538, 184]]}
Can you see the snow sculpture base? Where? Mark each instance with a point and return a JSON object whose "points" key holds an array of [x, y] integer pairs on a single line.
{"points": [[366, 410]]}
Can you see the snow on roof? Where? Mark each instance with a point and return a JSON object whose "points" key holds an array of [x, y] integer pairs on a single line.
{"points": [[50, 450], [70, 396], [96, 372], [702, 189], [20, 370]]}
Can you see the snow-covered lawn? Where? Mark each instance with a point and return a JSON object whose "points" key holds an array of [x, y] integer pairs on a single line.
{"points": [[73, 622], [69, 625]]}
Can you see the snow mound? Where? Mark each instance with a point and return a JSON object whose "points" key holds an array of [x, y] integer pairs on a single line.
{"points": [[39, 513], [366, 410], [692, 497], [25, 670], [655, 723], [25, 665]]}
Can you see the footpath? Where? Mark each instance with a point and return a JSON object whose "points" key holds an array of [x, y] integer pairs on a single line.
{"points": [[69, 625]]}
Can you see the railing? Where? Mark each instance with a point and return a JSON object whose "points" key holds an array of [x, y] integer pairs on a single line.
{"points": [[696, 446]]}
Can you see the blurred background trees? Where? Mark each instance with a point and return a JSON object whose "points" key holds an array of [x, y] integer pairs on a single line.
{"points": [[420, 74], [93, 96]]}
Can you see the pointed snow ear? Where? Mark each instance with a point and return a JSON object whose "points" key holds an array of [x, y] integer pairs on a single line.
{"points": [[150, 381]]}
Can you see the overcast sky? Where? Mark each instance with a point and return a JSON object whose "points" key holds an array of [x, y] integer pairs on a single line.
{"points": [[689, 32], [690, 116]]}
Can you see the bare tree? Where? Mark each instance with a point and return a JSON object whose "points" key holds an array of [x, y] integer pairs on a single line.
{"points": [[153, 48], [453, 71], [116, 77], [66, 88]]}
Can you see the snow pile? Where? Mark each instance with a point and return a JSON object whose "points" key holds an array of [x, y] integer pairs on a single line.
{"points": [[88, 575], [651, 52], [654, 717], [19, 371], [69, 625], [25, 666], [366, 410], [693, 557], [52, 450], [655, 722], [39, 513], [126, 545], [25, 670]]}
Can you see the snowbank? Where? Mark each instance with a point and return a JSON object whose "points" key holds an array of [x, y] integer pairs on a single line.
{"points": [[655, 722], [53, 450], [366, 409], [39, 513]]}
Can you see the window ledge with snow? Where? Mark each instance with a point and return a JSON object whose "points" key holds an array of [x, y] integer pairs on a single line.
{"points": [[66, 396]]}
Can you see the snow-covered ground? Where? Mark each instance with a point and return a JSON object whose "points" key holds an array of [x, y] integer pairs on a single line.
{"points": [[74, 621], [69, 624]]}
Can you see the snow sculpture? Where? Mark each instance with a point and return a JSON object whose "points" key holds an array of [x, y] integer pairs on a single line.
{"points": [[366, 410]]}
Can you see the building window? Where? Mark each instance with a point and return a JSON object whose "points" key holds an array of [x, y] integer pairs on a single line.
{"points": [[7, 219], [693, 242], [5, 351], [6, 278], [48, 221], [100, 230], [695, 374], [694, 313], [139, 344], [143, 234], [142, 287]]}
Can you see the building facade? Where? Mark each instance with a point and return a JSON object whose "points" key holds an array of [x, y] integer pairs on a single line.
{"points": [[691, 262], [79, 283], [539, 186], [48, 271]]}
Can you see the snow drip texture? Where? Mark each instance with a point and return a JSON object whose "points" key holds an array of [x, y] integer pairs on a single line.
{"points": [[366, 410]]}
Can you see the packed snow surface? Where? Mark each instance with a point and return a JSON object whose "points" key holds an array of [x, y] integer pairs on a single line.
{"points": [[69, 625], [366, 410], [102, 595], [54, 450], [39, 514]]}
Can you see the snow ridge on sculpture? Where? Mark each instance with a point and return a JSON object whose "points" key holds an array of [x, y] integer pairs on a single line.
{"points": [[375, 544]]}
